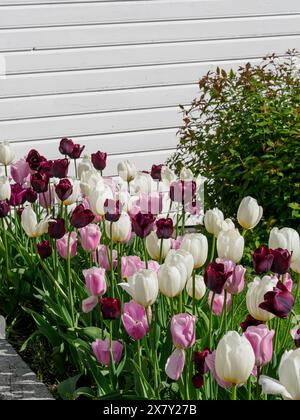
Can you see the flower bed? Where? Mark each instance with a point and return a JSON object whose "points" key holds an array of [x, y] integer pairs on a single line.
{"points": [[129, 301]]}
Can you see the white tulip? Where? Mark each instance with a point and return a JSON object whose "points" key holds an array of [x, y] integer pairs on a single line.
{"points": [[142, 287], [29, 222], [91, 180], [295, 266], [5, 191], [200, 288], [153, 244], [172, 278], [249, 213], [127, 170], [143, 183], [186, 257], [230, 245], [7, 155], [288, 385], [197, 245], [186, 175], [121, 230], [235, 359], [97, 198], [85, 165], [213, 220], [228, 225], [286, 238], [255, 296], [167, 175]]}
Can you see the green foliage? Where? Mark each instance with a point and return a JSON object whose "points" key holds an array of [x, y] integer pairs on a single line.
{"points": [[242, 133]]}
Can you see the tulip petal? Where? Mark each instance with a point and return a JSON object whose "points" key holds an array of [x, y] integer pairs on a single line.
{"points": [[127, 288], [175, 364], [273, 387], [89, 304], [211, 363]]}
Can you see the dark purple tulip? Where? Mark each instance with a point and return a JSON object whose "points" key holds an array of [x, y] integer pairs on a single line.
{"points": [[56, 228], [216, 276], [297, 338], [199, 361], [4, 208], [64, 189], [99, 160], [40, 182], [281, 260], [44, 249], [250, 322], [112, 210], [18, 195], [34, 159], [142, 224], [46, 167], [31, 195], [198, 380], [81, 217], [110, 308], [76, 152], [66, 146], [183, 191], [279, 302], [262, 260], [164, 228], [156, 172], [60, 168]]}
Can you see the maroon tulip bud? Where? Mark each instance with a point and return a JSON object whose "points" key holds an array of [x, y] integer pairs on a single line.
{"points": [[76, 152], [142, 224], [110, 308], [183, 191], [66, 146], [156, 172], [262, 260], [60, 168], [40, 182], [250, 322], [279, 302], [164, 228], [112, 210], [34, 159], [31, 195], [56, 228], [18, 195], [44, 249], [64, 189], [297, 338], [46, 167], [216, 276], [81, 217], [4, 208], [198, 381], [199, 361], [99, 160], [282, 260]]}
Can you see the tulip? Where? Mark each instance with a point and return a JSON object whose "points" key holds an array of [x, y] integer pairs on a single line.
{"points": [[46, 168], [66, 146], [62, 245], [81, 217], [213, 220], [156, 172], [152, 265], [198, 381], [249, 322], [56, 228], [44, 249], [18, 195], [279, 301], [230, 245], [281, 261], [32, 228], [176, 243], [175, 257], [286, 238], [210, 361], [101, 349], [112, 210], [164, 228], [228, 225], [150, 202], [199, 361], [218, 303], [119, 231], [34, 159], [249, 213], [167, 175], [85, 165], [103, 258], [186, 174], [110, 308], [200, 288], [216, 276], [134, 319], [76, 152], [19, 171], [193, 208], [261, 340], [262, 260], [142, 287], [64, 189], [236, 282], [4, 208], [95, 281], [60, 168], [295, 333], [255, 296], [90, 236], [295, 266], [197, 245], [7, 155], [289, 384], [99, 160], [183, 330], [175, 364], [143, 183], [98, 197], [183, 191], [235, 359], [31, 196], [40, 182], [172, 278], [130, 265], [127, 171], [157, 248], [5, 189], [47, 199], [142, 224]]}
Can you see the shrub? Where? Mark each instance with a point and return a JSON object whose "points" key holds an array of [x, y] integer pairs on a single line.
{"points": [[242, 133]]}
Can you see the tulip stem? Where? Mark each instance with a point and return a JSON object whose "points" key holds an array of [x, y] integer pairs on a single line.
{"points": [[70, 278], [161, 250], [194, 292], [75, 165], [6, 247], [152, 346], [145, 253], [213, 249], [112, 259], [257, 383], [234, 393], [225, 310], [183, 221], [210, 321]]}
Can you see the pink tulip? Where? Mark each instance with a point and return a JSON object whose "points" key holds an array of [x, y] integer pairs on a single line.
{"points": [[103, 258], [19, 171], [175, 364], [130, 265], [261, 340], [176, 243], [194, 208], [288, 282], [183, 330], [89, 304], [95, 281], [219, 302], [152, 265], [62, 245], [150, 203], [48, 198], [135, 320], [90, 237], [236, 283], [101, 349]]}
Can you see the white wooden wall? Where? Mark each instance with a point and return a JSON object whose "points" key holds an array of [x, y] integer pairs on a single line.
{"points": [[110, 74]]}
